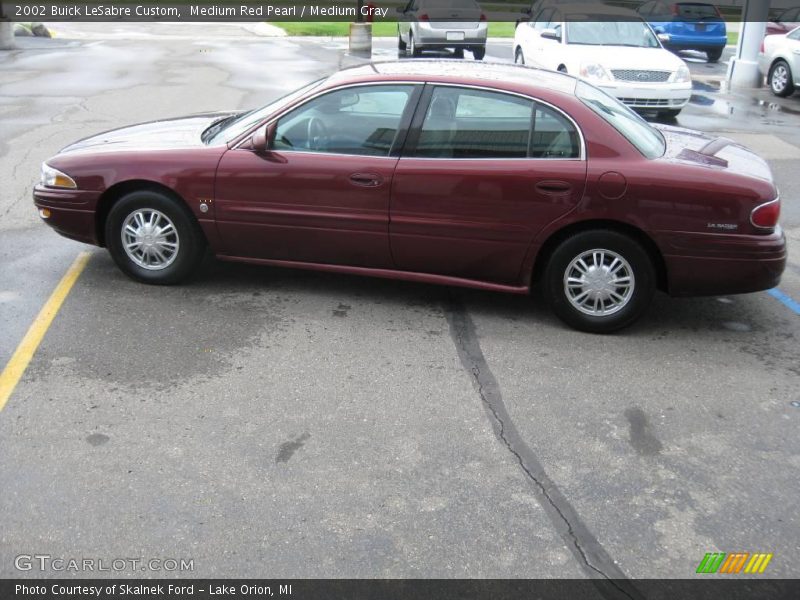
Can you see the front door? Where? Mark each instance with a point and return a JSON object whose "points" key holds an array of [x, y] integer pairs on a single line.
{"points": [[322, 194]]}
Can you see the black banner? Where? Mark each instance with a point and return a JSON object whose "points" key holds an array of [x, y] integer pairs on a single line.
{"points": [[734, 588], [349, 10]]}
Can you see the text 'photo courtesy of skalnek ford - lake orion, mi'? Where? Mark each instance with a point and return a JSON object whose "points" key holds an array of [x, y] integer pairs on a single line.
{"points": [[391, 299]]}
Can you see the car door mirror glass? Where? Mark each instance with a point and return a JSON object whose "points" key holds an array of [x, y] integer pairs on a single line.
{"points": [[551, 34]]}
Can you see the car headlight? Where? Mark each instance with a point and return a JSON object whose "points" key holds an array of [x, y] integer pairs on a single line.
{"points": [[682, 75], [595, 71], [54, 178]]}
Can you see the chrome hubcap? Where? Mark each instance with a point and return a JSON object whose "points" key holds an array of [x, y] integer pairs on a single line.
{"points": [[150, 239], [599, 282], [780, 77]]}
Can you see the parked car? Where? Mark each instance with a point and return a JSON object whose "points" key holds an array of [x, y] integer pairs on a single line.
{"points": [[439, 25], [488, 176], [785, 22], [779, 61], [613, 49], [689, 25]]}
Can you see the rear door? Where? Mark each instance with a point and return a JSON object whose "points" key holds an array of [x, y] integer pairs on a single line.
{"points": [[481, 174]]}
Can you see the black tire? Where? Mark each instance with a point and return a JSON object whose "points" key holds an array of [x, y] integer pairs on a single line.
{"points": [[478, 52], [413, 49], [402, 48], [458, 53], [635, 300], [780, 79], [189, 249], [669, 115], [519, 57], [714, 55]]}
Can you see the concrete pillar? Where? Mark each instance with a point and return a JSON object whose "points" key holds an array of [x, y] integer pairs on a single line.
{"points": [[6, 29], [361, 39], [743, 68]]}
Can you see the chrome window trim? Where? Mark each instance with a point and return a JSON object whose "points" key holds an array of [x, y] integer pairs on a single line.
{"points": [[581, 157]]}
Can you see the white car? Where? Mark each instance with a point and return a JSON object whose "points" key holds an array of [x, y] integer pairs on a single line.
{"points": [[779, 60], [614, 50]]}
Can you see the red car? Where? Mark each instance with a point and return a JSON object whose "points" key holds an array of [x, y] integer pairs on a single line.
{"points": [[496, 177]]}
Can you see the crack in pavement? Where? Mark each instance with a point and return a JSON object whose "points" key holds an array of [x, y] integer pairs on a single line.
{"points": [[609, 579]]}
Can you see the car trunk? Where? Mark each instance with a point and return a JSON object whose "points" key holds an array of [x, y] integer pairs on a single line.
{"points": [[698, 148]]}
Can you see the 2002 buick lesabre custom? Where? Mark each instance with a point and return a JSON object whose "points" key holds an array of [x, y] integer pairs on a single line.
{"points": [[486, 176]]}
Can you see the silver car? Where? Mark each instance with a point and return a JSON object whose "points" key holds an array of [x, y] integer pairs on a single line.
{"points": [[441, 24], [779, 60]]}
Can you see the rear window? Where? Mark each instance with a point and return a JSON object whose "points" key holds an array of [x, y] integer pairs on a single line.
{"points": [[697, 11], [648, 140]]}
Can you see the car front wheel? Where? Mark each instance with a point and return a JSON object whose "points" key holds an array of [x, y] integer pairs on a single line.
{"points": [[153, 238], [599, 281], [780, 79]]}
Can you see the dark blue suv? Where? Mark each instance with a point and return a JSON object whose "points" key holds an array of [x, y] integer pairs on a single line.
{"points": [[689, 25]]}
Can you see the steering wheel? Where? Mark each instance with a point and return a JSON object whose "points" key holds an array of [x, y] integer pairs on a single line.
{"points": [[316, 134]]}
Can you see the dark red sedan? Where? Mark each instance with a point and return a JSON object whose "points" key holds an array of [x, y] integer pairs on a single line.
{"points": [[478, 175]]}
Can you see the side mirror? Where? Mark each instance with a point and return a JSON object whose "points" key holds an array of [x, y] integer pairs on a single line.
{"points": [[261, 142], [551, 34]]}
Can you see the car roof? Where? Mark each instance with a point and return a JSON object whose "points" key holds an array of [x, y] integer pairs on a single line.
{"points": [[459, 71]]}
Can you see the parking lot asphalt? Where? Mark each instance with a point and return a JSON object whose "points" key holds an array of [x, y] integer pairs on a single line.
{"points": [[302, 424]]}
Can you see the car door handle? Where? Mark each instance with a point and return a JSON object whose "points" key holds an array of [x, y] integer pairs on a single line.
{"points": [[366, 179], [553, 188]]}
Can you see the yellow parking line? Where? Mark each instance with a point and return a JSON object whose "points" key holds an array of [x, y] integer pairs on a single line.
{"points": [[30, 343]]}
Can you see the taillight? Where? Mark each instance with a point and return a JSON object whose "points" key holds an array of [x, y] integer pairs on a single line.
{"points": [[675, 10], [766, 216], [763, 50], [716, 9], [423, 17], [483, 17]]}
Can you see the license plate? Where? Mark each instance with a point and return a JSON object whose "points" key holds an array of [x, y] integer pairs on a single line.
{"points": [[455, 36], [700, 27]]}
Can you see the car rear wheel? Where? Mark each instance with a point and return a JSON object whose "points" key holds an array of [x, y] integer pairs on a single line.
{"points": [[780, 79], [153, 238], [714, 55], [599, 281], [519, 57], [478, 52]]}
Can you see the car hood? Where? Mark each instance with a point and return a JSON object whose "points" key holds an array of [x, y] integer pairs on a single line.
{"points": [[183, 132], [625, 57], [694, 147]]}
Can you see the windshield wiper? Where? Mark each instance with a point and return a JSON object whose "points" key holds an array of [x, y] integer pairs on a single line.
{"points": [[217, 125]]}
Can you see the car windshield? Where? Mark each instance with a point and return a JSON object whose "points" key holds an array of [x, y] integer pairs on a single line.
{"points": [[648, 140], [230, 128], [611, 33]]}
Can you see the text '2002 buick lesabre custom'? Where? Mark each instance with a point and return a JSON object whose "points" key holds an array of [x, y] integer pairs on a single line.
{"points": [[487, 176]]}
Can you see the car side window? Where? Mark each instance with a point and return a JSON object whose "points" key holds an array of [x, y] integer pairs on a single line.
{"points": [[469, 123], [553, 135], [358, 120], [795, 35]]}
